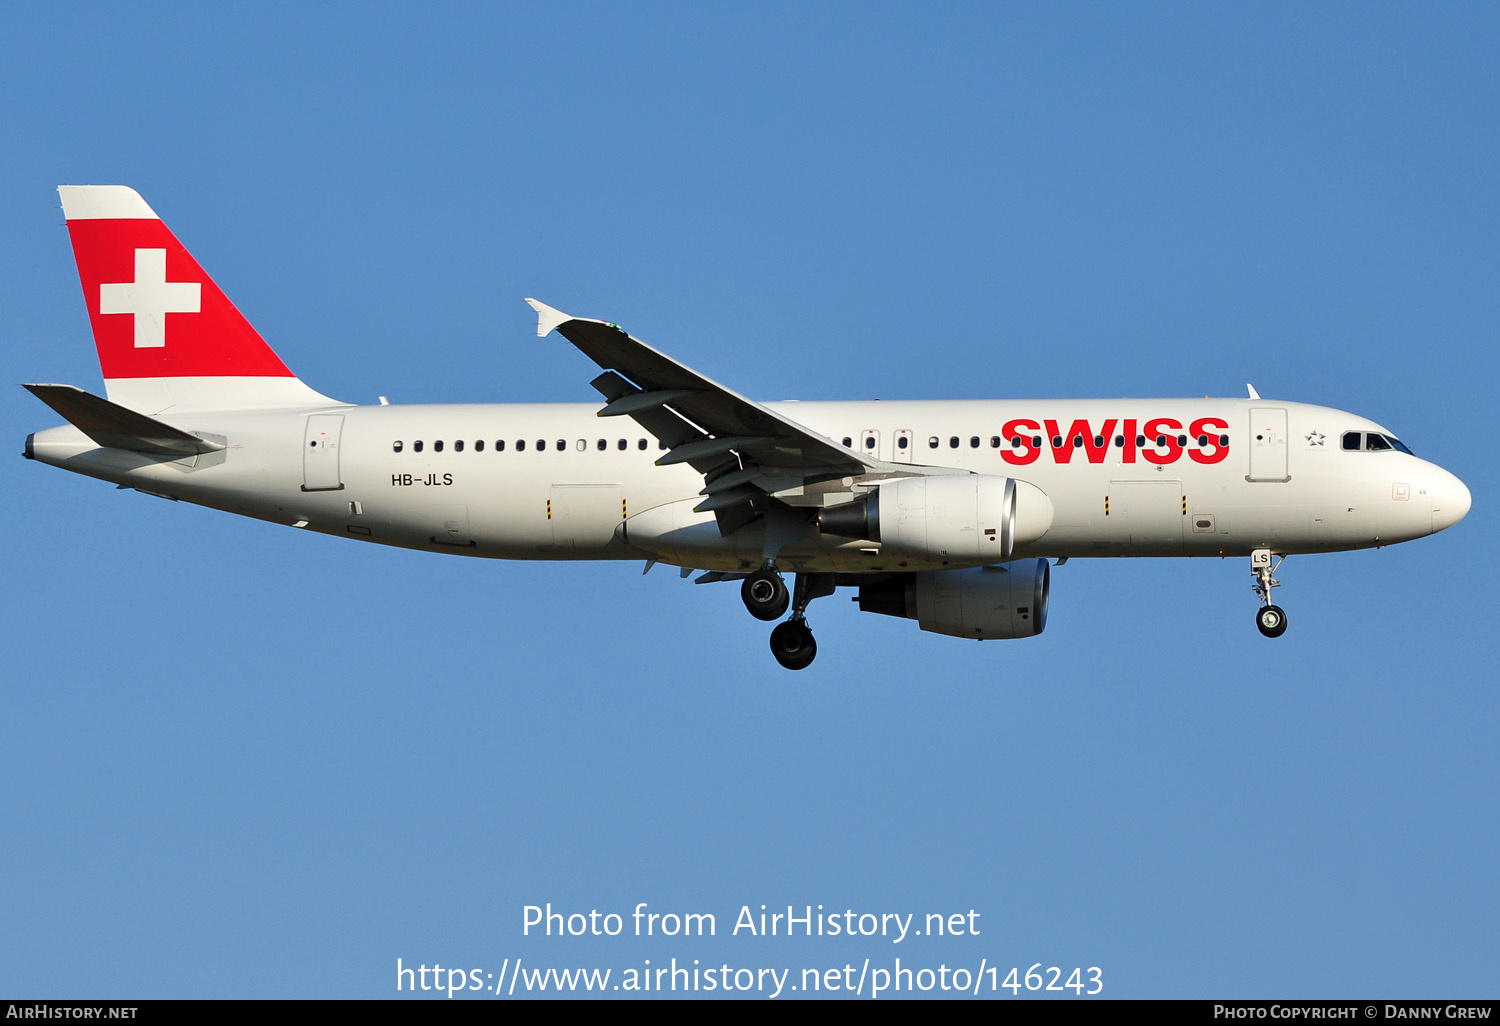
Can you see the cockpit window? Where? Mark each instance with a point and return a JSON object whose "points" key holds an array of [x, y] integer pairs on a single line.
{"points": [[1371, 441]]}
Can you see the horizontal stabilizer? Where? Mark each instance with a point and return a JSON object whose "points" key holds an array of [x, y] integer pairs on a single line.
{"points": [[115, 427]]}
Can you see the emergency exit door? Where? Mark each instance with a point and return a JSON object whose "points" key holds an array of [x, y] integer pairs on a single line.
{"points": [[903, 439]]}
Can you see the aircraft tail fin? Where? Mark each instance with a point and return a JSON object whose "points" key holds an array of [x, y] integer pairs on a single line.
{"points": [[116, 427], [168, 337]]}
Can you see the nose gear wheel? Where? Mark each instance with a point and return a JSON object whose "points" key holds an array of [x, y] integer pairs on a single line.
{"points": [[1271, 621]]}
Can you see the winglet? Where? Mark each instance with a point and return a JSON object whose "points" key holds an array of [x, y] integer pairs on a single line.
{"points": [[1253, 393], [546, 317]]}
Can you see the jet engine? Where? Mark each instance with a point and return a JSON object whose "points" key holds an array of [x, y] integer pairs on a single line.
{"points": [[963, 518], [989, 602]]}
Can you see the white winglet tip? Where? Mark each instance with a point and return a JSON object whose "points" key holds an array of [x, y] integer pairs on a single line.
{"points": [[547, 318], [1253, 393]]}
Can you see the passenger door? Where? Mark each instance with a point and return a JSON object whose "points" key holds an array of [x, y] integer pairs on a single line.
{"points": [[320, 453], [1268, 446]]}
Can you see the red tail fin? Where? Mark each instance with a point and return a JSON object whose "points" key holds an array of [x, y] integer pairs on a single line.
{"points": [[167, 335]]}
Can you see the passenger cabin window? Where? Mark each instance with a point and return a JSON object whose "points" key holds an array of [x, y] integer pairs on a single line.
{"points": [[562, 444], [994, 441], [870, 442], [641, 445], [479, 445], [437, 446], [602, 445], [541, 445], [953, 441], [499, 445], [623, 445], [932, 443], [416, 446], [395, 446], [848, 442], [902, 442], [520, 445], [458, 446], [973, 441]]}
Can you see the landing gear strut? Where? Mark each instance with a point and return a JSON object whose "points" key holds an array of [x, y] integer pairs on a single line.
{"points": [[765, 594], [1270, 620], [792, 643]]}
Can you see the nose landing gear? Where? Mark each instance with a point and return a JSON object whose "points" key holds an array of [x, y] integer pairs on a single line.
{"points": [[1270, 620]]}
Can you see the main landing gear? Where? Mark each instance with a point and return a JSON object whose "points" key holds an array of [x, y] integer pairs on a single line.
{"points": [[793, 644], [1270, 620], [766, 596]]}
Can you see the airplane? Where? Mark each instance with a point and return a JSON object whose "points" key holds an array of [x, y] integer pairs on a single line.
{"points": [[944, 512]]}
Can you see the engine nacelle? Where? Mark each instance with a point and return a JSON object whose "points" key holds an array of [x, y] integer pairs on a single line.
{"points": [[986, 602], [965, 518]]}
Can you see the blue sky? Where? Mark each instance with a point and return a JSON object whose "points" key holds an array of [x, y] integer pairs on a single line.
{"points": [[237, 760]]}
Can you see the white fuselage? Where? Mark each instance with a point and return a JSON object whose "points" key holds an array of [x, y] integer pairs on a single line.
{"points": [[555, 481]]}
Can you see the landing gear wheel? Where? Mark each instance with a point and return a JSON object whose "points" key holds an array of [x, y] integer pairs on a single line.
{"points": [[765, 595], [793, 646], [1271, 621]]}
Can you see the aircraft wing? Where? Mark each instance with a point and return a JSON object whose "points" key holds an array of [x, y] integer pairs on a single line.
{"points": [[743, 449]]}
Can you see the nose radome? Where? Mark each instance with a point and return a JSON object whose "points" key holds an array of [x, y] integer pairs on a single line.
{"points": [[1451, 501]]}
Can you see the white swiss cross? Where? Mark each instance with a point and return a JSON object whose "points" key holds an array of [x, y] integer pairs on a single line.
{"points": [[150, 297]]}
